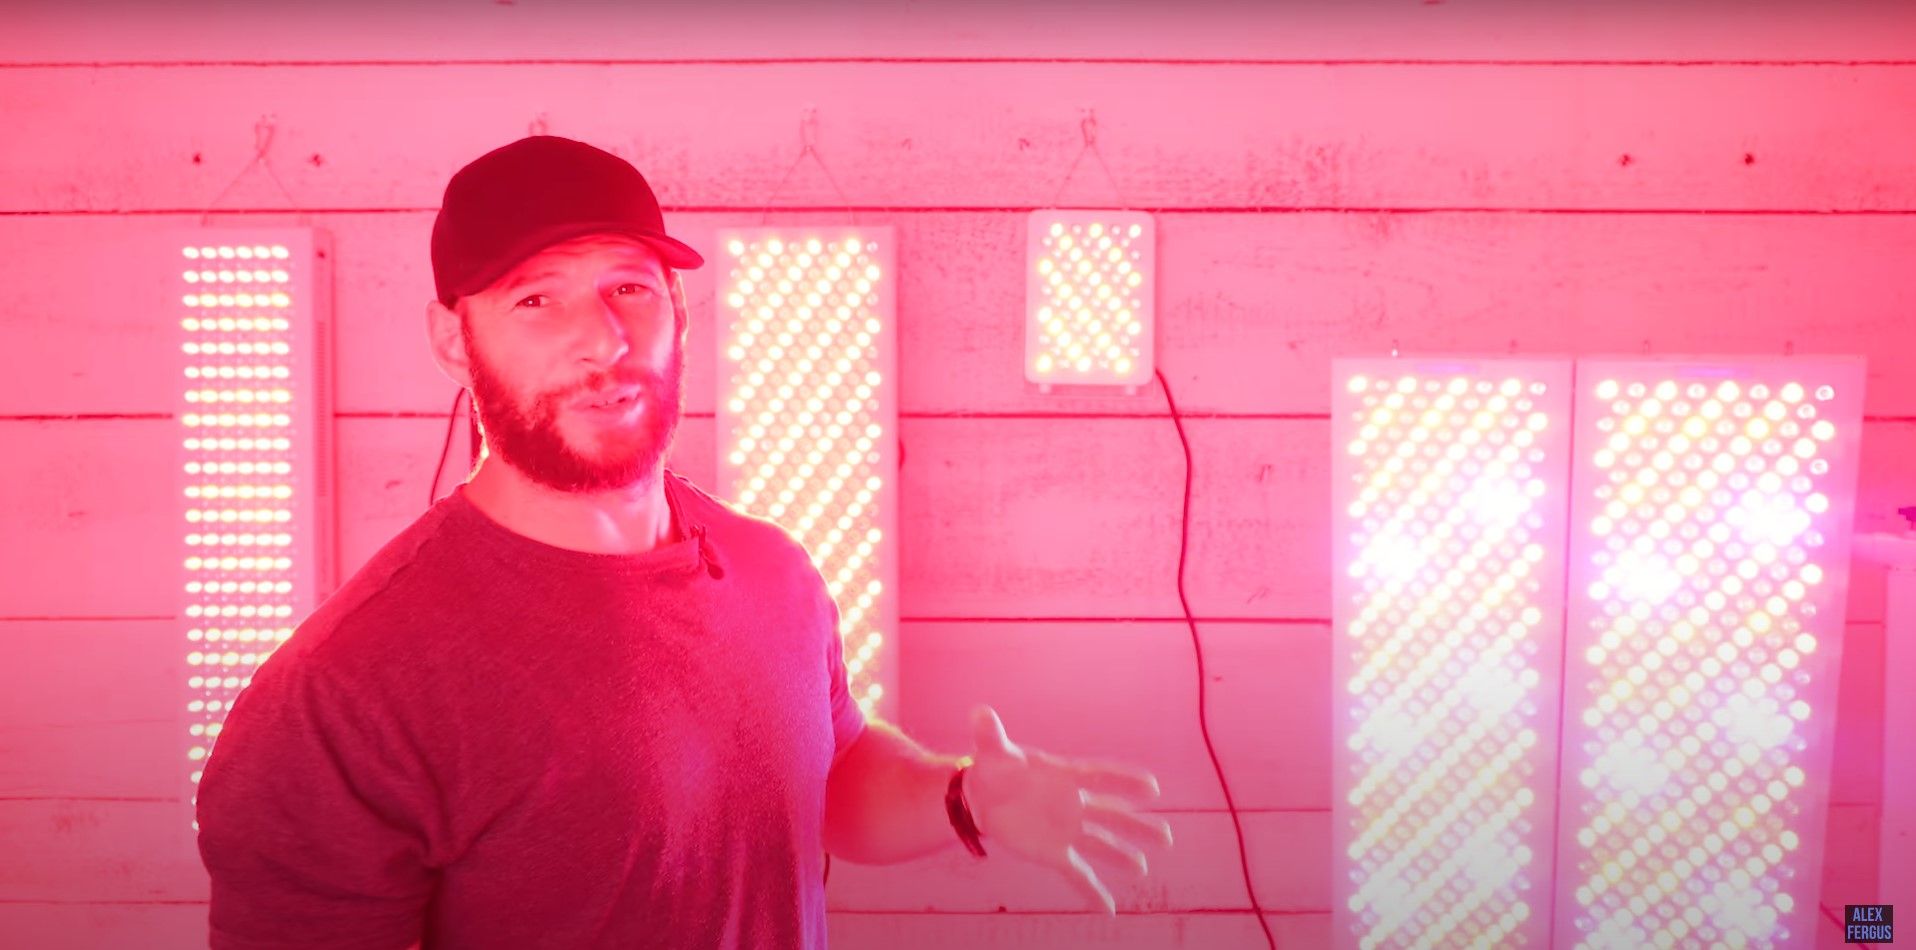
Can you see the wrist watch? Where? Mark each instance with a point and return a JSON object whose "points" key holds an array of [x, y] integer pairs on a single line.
{"points": [[960, 811]]}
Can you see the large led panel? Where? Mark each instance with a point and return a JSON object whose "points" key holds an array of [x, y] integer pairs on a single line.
{"points": [[257, 514], [1090, 285], [808, 416], [1449, 499], [1709, 559]]}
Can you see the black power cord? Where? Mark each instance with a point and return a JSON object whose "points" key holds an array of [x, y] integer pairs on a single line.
{"points": [[452, 416], [1197, 647]]}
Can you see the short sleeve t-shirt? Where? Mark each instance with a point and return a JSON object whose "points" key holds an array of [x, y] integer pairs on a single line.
{"points": [[484, 741]]}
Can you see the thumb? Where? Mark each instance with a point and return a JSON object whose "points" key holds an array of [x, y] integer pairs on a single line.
{"points": [[989, 731]]}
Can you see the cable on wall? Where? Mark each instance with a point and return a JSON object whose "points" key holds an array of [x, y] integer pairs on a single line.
{"points": [[1197, 648], [452, 416]]}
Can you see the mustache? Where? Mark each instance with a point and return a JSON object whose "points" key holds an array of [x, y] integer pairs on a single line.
{"points": [[605, 379]]}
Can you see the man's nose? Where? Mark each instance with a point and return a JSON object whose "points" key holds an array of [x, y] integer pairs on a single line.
{"points": [[605, 341]]}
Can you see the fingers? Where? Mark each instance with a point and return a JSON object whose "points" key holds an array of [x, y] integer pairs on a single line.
{"points": [[1119, 817], [1101, 845], [1109, 779], [1079, 873], [988, 731]]}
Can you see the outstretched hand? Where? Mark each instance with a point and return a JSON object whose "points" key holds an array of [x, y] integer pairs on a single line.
{"points": [[1065, 814]]}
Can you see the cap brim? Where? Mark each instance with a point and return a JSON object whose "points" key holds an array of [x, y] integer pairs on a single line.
{"points": [[674, 252]]}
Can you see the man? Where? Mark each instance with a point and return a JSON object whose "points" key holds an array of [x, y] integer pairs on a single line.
{"points": [[580, 702]]}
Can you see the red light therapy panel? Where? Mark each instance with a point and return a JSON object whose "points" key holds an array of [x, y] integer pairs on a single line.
{"points": [[1090, 285], [1708, 565], [255, 466], [1449, 499], [808, 417]]}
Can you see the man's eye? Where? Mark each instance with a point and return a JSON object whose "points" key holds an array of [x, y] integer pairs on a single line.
{"points": [[632, 289], [534, 301]]}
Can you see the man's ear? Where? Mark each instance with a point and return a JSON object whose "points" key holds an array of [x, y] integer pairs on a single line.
{"points": [[680, 311], [448, 343]]}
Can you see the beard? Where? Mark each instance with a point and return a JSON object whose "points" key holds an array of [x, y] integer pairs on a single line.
{"points": [[526, 434]]}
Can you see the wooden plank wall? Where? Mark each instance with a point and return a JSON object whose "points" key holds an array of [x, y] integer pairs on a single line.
{"points": [[1426, 176]]}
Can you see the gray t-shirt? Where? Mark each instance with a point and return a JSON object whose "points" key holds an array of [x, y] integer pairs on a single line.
{"points": [[485, 741]]}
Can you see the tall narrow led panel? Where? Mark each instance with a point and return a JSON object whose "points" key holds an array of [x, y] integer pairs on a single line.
{"points": [[1090, 285], [1449, 499], [251, 312], [1709, 558], [808, 418]]}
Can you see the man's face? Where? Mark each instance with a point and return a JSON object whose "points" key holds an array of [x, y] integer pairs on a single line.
{"points": [[576, 364]]}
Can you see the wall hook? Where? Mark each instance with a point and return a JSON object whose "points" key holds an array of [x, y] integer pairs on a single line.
{"points": [[808, 128]]}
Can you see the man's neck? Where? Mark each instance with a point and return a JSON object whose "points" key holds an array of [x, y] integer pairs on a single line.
{"points": [[630, 520]]}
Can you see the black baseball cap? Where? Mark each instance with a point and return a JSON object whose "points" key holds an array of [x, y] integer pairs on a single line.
{"points": [[519, 199]]}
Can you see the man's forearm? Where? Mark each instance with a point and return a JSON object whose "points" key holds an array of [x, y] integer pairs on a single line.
{"points": [[885, 801]]}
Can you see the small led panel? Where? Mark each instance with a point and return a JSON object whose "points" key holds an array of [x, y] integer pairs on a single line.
{"points": [[808, 418], [255, 468], [1449, 497], [1709, 563], [1090, 284]]}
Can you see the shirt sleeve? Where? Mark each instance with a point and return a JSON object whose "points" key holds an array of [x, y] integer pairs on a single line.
{"points": [[309, 821]]}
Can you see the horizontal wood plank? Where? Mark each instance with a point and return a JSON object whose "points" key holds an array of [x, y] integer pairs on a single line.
{"points": [[61, 925], [93, 709], [984, 135], [1026, 517], [182, 926], [1290, 862], [1127, 692], [95, 524], [883, 931], [1251, 308], [45, 31], [89, 707], [61, 849], [91, 518], [94, 853], [1002, 517]]}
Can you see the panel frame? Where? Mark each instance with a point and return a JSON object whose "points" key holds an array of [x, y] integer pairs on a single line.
{"points": [[313, 507], [1040, 221], [1549, 510], [1828, 598], [882, 244]]}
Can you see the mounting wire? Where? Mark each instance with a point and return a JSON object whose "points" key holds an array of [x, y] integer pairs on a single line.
{"points": [[808, 145], [262, 144], [1088, 128], [452, 416], [1197, 648]]}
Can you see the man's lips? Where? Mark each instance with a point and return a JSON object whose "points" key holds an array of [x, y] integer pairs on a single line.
{"points": [[616, 398]]}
